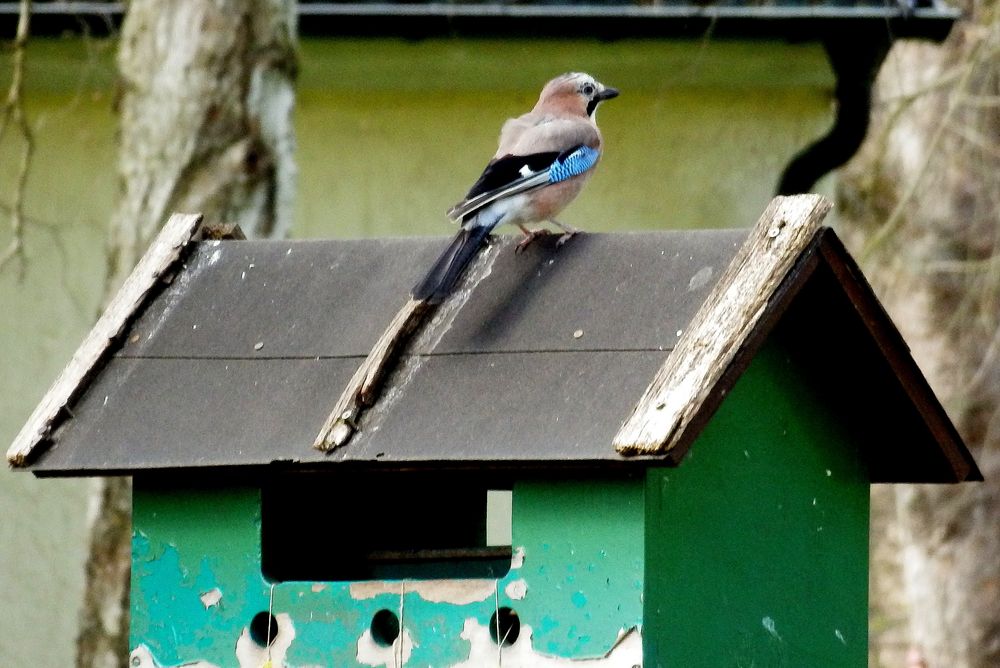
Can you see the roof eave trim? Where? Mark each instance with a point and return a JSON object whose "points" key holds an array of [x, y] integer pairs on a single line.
{"points": [[824, 248], [688, 381], [897, 353], [168, 248]]}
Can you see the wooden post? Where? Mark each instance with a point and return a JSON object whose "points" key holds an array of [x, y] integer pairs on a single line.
{"points": [[721, 326], [166, 249]]}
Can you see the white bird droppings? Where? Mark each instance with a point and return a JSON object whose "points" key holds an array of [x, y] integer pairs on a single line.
{"points": [[770, 627]]}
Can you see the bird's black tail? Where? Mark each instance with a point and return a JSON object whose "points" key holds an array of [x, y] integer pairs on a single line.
{"points": [[439, 281]]}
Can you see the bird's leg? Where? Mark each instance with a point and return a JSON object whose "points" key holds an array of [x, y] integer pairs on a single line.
{"points": [[529, 236], [568, 232]]}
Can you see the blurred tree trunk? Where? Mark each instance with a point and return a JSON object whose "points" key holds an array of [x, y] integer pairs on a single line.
{"points": [[205, 111], [920, 205]]}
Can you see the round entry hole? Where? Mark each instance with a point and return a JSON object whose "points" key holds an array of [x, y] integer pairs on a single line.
{"points": [[385, 627], [505, 627], [263, 628]]}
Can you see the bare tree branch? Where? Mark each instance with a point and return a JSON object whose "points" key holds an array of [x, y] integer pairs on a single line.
{"points": [[13, 112], [896, 218]]}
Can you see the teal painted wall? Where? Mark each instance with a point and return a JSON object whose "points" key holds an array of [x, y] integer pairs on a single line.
{"points": [[584, 568], [185, 543], [576, 584], [757, 552]]}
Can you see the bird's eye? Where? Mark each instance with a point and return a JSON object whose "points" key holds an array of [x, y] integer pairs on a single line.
{"points": [[588, 89]]}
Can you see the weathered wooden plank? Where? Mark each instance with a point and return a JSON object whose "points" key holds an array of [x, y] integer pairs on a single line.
{"points": [[721, 326], [163, 253], [364, 387]]}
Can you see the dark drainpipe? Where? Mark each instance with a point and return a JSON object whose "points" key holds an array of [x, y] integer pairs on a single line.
{"points": [[855, 60]]}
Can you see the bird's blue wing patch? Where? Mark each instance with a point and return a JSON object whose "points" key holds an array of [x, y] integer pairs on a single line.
{"points": [[575, 163]]}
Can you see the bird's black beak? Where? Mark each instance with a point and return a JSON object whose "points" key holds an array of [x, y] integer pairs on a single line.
{"points": [[606, 94]]}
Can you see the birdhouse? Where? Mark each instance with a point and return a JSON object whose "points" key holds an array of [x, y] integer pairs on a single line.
{"points": [[648, 449]]}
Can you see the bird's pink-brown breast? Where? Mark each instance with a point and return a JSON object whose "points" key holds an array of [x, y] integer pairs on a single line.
{"points": [[548, 202]]}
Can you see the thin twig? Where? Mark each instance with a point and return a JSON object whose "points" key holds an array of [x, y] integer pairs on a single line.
{"points": [[83, 310], [896, 218], [963, 266], [977, 140], [13, 112]]}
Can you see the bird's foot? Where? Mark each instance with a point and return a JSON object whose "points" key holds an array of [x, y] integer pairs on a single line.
{"points": [[566, 236], [528, 238], [568, 232]]}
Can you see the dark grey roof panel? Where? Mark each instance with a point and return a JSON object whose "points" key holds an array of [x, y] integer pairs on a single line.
{"points": [[497, 379], [637, 292], [266, 299], [165, 413], [295, 299], [485, 408]]}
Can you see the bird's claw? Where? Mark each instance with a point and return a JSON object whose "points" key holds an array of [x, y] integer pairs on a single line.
{"points": [[566, 237], [528, 239]]}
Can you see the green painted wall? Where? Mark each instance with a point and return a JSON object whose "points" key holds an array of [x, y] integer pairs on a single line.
{"points": [[757, 553], [576, 584], [583, 562]]}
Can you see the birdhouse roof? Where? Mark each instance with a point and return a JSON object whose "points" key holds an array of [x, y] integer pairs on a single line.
{"points": [[231, 353]]}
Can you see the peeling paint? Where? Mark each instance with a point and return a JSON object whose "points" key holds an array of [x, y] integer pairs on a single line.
{"points": [[516, 590], [370, 653], [177, 565], [626, 652], [251, 655], [769, 626], [211, 597], [456, 592], [141, 657]]}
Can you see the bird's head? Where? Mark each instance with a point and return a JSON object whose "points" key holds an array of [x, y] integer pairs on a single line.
{"points": [[574, 93]]}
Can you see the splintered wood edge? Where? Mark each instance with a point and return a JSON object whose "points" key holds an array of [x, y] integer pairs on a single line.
{"points": [[165, 250], [365, 386], [721, 326]]}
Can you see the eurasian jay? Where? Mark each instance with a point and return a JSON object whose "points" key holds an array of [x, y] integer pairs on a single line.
{"points": [[544, 159]]}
